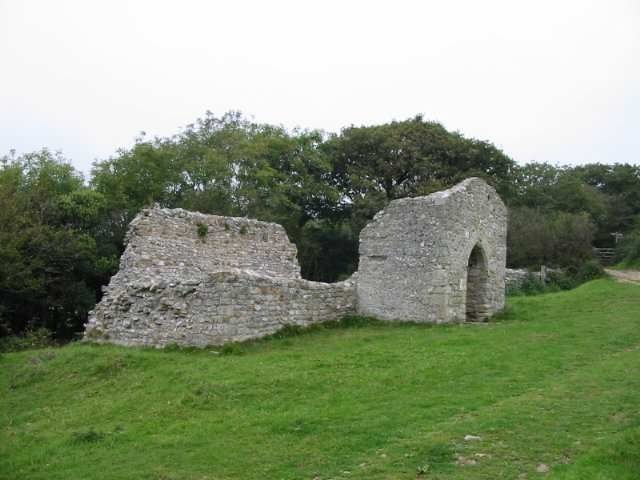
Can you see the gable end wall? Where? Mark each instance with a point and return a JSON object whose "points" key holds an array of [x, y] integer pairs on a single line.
{"points": [[414, 255]]}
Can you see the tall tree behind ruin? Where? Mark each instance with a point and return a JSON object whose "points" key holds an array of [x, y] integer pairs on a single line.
{"points": [[51, 262], [225, 166], [372, 165]]}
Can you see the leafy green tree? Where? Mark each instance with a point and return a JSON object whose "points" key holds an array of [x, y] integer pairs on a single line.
{"points": [[576, 190], [555, 239], [51, 268], [327, 253], [376, 164], [225, 166], [618, 186], [535, 183], [147, 174]]}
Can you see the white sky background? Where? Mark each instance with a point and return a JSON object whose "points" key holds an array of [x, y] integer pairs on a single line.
{"points": [[553, 81]]}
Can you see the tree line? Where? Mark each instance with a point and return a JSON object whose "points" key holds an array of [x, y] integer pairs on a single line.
{"points": [[61, 236]]}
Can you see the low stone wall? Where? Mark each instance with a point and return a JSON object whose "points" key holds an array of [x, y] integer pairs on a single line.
{"points": [[226, 306], [515, 277]]}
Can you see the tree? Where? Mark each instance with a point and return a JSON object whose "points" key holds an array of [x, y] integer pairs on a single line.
{"points": [[373, 165], [618, 187], [327, 253], [51, 268], [225, 166], [555, 239], [607, 194]]}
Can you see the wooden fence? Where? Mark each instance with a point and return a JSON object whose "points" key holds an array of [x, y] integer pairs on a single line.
{"points": [[605, 255]]}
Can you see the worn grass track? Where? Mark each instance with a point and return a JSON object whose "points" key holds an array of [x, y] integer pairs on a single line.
{"points": [[551, 391]]}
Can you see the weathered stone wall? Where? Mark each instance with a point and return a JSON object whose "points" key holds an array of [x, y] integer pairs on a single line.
{"points": [[194, 279], [166, 244], [515, 277], [226, 306], [439, 258], [237, 279]]}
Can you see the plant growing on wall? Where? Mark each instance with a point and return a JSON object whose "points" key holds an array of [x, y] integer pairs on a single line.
{"points": [[203, 229]]}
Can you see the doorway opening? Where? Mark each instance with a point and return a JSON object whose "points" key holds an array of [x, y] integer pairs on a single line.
{"points": [[478, 306]]}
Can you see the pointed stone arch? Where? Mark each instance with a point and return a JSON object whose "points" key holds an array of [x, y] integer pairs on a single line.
{"points": [[478, 305]]}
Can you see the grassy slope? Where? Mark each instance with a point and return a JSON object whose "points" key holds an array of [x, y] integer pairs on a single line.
{"points": [[557, 386]]}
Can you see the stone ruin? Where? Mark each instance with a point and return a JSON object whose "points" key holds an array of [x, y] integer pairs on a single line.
{"points": [[439, 258], [194, 279]]}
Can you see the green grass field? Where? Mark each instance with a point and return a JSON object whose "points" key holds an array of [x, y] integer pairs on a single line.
{"points": [[551, 390]]}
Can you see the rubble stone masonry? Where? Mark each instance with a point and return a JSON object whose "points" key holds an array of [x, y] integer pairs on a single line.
{"points": [[194, 279], [439, 258]]}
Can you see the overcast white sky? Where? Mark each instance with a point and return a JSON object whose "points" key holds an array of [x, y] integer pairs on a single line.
{"points": [[548, 80]]}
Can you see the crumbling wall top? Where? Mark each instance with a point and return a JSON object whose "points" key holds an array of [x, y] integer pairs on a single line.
{"points": [[170, 244]]}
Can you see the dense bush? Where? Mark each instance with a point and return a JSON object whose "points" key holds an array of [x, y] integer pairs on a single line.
{"points": [[29, 340], [570, 278], [588, 271], [628, 254], [52, 264], [555, 239]]}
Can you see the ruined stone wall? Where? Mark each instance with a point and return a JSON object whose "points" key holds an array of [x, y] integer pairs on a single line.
{"points": [[166, 244], [226, 306], [194, 279], [515, 277], [439, 258], [237, 279]]}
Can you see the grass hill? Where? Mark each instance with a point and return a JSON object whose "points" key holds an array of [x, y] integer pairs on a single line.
{"points": [[550, 390]]}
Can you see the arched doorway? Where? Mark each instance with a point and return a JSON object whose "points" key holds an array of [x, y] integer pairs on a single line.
{"points": [[477, 307]]}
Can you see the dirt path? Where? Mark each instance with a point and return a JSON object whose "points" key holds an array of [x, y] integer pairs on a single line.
{"points": [[628, 276]]}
